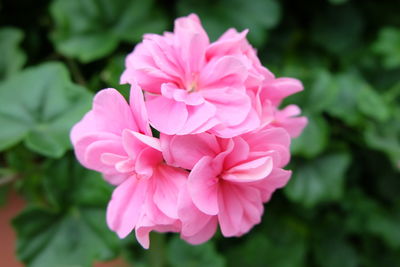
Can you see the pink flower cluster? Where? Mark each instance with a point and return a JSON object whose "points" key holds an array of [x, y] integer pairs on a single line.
{"points": [[223, 140]]}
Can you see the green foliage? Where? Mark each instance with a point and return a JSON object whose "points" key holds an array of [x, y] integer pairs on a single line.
{"points": [[388, 45], [69, 227], [341, 207], [39, 106], [320, 180], [12, 58], [181, 254], [255, 15], [92, 29]]}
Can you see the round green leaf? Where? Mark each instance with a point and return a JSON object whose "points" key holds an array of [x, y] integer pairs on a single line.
{"points": [[39, 106], [91, 29]]}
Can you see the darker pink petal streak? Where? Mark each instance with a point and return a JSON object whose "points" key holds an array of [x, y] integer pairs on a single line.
{"points": [[224, 140]]}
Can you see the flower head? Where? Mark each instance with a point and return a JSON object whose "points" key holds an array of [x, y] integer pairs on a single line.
{"points": [[223, 139]]}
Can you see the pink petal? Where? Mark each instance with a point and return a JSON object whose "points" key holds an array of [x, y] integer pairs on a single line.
{"points": [[168, 182], [186, 150], [203, 186], [136, 140], [230, 210], [286, 118], [251, 123], [147, 160], [231, 42], [277, 179], [110, 113], [94, 151], [278, 89], [204, 234], [136, 101], [167, 115], [193, 42], [232, 106], [249, 171], [239, 153], [193, 220], [126, 205], [227, 71]]}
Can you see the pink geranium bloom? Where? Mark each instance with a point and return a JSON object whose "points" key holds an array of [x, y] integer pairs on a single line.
{"points": [[230, 179], [191, 85], [115, 138]]}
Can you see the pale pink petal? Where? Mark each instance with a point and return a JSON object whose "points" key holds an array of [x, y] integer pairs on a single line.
{"points": [[249, 171]]}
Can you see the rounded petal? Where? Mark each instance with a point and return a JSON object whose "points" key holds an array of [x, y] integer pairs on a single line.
{"points": [[167, 115], [126, 205], [203, 186]]}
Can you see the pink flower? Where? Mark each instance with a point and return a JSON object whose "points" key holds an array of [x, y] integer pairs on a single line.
{"points": [[115, 138], [230, 179], [191, 85], [224, 139]]}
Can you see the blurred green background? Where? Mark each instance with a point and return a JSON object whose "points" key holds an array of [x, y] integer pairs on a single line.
{"points": [[342, 205]]}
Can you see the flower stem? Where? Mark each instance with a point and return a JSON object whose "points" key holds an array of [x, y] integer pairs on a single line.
{"points": [[156, 253]]}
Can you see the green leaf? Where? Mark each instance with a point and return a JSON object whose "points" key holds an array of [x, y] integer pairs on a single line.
{"points": [[314, 138], [369, 216], [319, 181], [388, 46], [91, 29], [181, 254], [75, 238], [112, 73], [330, 246], [322, 91], [217, 16], [39, 106], [12, 58], [69, 226], [346, 104], [332, 32], [371, 104], [282, 243], [385, 137]]}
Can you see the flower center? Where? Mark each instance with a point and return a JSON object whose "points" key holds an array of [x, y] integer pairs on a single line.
{"points": [[193, 85]]}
